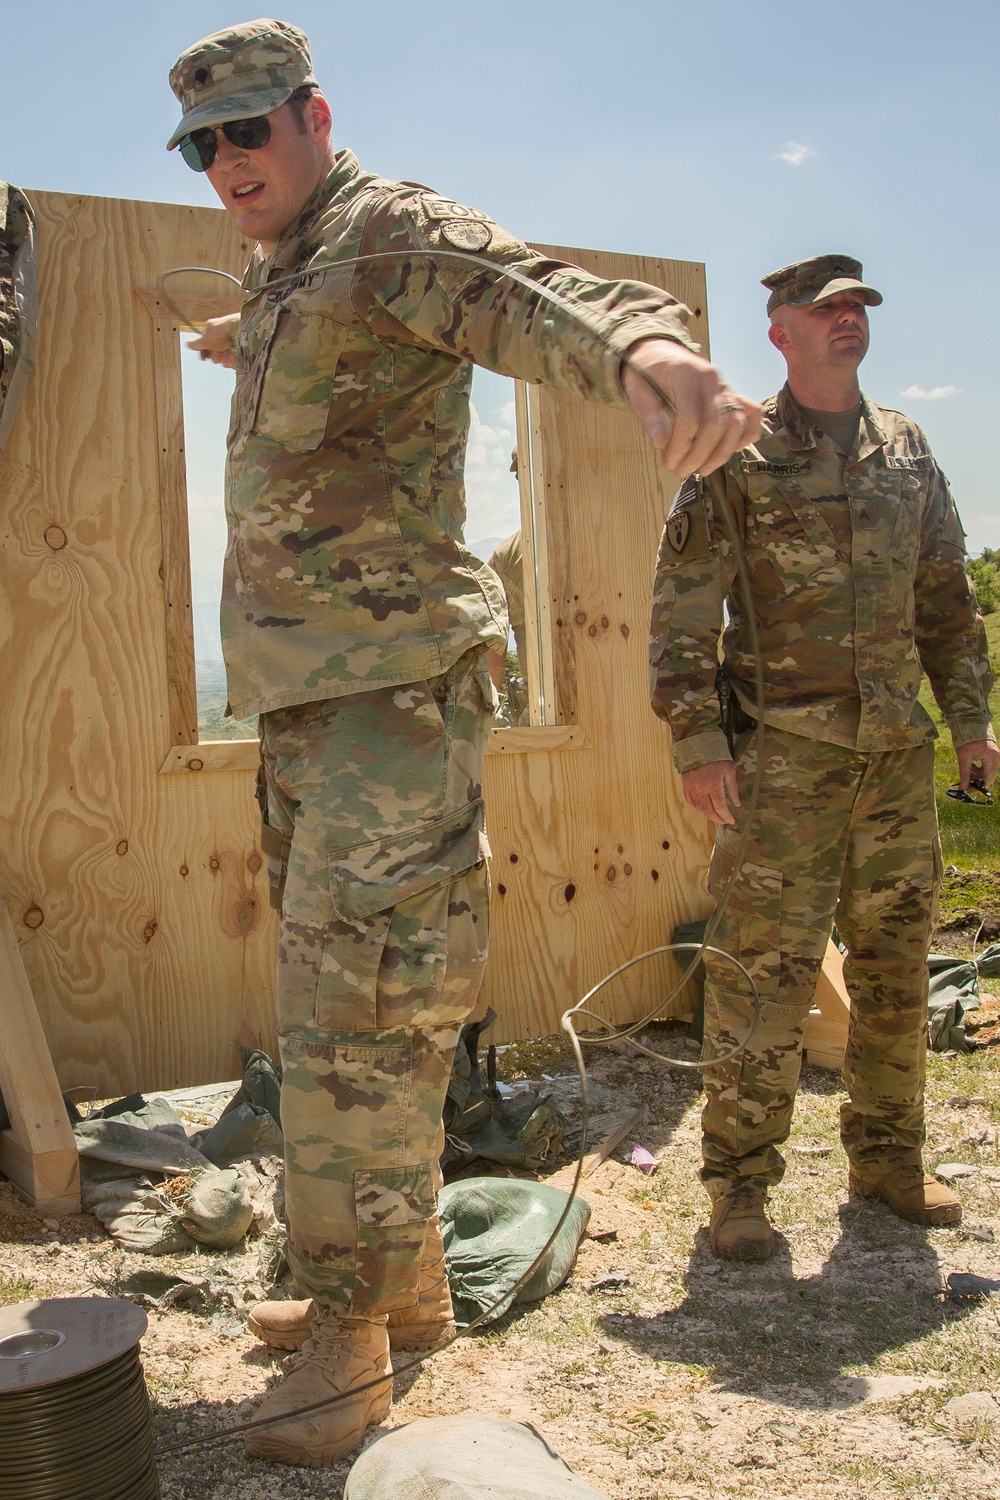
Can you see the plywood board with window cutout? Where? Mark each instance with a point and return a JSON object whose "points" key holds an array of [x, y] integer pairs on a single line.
{"points": [[128, 851]]}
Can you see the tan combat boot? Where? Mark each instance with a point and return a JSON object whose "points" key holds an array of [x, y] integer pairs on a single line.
{"points": [[431, 1322], [426, 1326], [341, 1355], [740, 1228], [911, 1194]]}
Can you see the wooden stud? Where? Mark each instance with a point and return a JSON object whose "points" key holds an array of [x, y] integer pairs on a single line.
{"points": [[38, 1152]]}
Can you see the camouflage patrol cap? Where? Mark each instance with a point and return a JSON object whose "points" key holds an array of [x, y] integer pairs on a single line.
{"points": [[243, 71], [809, 281]]}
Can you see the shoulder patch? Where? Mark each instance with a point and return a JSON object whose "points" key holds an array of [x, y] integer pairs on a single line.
{"points": [[466, 234], [678, 530], [444, 208], [765, 466]]}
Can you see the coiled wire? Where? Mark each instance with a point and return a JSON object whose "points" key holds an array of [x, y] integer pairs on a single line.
{"points": [[88, 1437]]}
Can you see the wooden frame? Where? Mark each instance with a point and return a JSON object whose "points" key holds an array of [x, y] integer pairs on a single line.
{"points": [[138, 899]]}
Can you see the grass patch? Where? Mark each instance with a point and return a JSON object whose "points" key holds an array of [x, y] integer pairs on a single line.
{"points": [[970, 836], [15, 1288]]}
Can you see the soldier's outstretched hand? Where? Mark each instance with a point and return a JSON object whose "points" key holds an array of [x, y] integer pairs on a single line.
{"points": [[217, 341], [700, 421]]}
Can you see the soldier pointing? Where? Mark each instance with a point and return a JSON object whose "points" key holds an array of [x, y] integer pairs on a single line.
{"points": [[356, 624], [856, 558]]}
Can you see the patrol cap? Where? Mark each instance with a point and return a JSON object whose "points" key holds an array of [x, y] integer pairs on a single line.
{"points": [[810, 281], [235, 74]]}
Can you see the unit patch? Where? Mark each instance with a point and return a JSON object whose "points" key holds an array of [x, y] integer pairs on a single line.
{"points": [[466, 234], [678, 530], [444, 208]]}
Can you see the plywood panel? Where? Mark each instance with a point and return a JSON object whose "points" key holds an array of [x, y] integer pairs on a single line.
{"points": [[596, 857], [138, 900]]}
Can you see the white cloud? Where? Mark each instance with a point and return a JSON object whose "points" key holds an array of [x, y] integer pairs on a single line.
{"points": [[936, 392], [491, 490], [795, 153]]}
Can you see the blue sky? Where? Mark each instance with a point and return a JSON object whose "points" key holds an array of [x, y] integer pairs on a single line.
{"points": [[745, 135]]}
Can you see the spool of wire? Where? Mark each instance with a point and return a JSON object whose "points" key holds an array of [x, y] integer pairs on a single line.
{"points": [[74, 1413]]}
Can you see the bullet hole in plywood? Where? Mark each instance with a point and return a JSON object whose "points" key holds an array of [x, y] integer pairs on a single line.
{"points": [[501, 890], [655, 874], [666, 843], [513, 859], [33, 917]]}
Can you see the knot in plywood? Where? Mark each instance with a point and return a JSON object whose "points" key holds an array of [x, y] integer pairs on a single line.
{"points": [[238, 908], [33, 917]]}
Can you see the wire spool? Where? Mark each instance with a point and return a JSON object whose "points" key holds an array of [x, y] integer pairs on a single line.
{"points": [[74, 1414]]}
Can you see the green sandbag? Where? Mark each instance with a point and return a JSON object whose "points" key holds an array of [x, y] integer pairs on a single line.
{"points": [[466, 1457], [493, 1228]]}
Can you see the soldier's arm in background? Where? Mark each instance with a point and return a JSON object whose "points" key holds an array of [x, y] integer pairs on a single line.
{"points": [[695, 570], [574, 344], [951, 636]]}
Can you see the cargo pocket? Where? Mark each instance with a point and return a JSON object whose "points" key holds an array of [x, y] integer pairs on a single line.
{"points": [[393, 1205], [367, 885], [298, 378], [373, 877]]}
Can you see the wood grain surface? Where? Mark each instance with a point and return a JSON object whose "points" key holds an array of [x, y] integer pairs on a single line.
{"points": [[596, 857], [138, 899]]}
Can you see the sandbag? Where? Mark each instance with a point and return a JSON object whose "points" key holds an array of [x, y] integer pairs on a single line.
{"points": [[466, 1457], [493, 1228]]}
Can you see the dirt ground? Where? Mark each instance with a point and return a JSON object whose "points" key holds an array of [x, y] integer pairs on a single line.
{"points": [[831, 1371]]}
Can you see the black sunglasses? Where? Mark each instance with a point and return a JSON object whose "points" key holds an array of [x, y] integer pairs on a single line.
{"points": [[198, 148]]}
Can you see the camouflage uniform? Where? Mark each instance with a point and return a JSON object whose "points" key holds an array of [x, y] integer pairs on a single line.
{"points": [[857, 571], [355, 623], [18, 301]]}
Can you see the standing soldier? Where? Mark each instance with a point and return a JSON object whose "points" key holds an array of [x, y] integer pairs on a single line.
{"points": [[856, 560], [356, 624]]}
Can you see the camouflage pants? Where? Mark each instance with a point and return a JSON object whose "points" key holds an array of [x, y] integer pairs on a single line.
{"points": [[383, 942], [840, 836]]}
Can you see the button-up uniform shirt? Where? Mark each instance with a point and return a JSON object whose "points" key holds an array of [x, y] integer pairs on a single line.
{"points": [[346, 567], [858, 579]]}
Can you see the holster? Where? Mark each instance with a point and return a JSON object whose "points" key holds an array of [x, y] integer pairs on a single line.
{"points": [[733, 717]]}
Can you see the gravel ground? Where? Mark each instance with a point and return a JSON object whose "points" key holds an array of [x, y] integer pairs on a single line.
{"points": [[839, 1369]]}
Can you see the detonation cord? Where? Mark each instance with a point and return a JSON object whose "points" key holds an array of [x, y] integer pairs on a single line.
{"points": [[581, 1008]]}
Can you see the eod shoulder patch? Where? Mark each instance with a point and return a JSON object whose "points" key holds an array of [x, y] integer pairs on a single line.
{"points": [[687, 532]]}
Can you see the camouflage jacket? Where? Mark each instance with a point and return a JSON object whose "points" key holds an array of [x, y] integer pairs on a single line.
{"points": [[346, 567], [18, 301], [857, 570]]}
